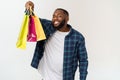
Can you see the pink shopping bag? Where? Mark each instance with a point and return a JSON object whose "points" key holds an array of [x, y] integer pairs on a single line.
{"points": [[31, 37]]}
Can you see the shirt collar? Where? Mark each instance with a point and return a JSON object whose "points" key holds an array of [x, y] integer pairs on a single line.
{"points": [[71, 30]]}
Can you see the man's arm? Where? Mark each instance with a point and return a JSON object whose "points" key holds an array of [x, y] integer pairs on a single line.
{"points": [[38, 53], [83, 62]]}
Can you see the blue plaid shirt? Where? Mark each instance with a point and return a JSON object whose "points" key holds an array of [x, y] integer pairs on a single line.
{"points": [[75, 53]]}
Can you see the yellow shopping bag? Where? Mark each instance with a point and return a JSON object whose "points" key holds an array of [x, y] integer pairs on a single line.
{"points": [[22, 38], [39, 30]]}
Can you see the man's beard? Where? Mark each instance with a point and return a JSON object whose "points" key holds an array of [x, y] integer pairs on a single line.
{"points": [[60, 25]]}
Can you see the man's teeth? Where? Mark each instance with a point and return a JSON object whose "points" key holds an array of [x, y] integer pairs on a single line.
{"points": [[56, 22]]}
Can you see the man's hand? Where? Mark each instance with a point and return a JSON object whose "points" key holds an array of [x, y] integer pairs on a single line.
{"points": [[29, 5]]}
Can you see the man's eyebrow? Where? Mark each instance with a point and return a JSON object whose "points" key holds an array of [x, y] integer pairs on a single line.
{"points": [[58, 14]]}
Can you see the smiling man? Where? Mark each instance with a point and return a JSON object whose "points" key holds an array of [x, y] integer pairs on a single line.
{"points": [[57, 57]]}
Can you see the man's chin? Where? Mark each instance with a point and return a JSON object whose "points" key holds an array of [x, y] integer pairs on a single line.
{"points": [[56, 26]]}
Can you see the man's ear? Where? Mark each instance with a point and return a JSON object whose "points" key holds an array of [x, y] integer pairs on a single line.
{"points": [[67, 18]]}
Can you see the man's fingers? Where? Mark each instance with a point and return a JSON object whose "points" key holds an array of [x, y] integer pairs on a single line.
{"points": [[29, 5]]}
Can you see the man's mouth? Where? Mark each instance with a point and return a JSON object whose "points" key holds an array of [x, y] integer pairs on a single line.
{"points": [[56, 23]]}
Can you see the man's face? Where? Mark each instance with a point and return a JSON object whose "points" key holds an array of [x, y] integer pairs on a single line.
{"points": [[59, 19]]}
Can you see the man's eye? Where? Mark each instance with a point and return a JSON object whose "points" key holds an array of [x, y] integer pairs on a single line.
{"points": [[60, 16], [53, 16], [57, 16]]}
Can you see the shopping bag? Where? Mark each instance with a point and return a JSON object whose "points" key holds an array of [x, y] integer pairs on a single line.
{"points": [[22, 38], [31, 37], [31, 30], [39, 29]]}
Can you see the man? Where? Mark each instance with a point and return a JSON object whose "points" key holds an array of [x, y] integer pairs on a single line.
{"points": [[57, 57]]}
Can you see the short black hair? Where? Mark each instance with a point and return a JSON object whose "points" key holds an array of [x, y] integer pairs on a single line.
{"points": [[65, 11]]}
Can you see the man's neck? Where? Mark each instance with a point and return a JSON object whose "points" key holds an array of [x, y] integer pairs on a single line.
{"points": [[64, 29]]}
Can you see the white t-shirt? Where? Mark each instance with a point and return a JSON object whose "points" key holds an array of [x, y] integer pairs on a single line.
{"points": [[51, 64]]}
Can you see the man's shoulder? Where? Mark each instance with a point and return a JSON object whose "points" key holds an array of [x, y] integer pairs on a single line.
{"points": [[78, 34]]}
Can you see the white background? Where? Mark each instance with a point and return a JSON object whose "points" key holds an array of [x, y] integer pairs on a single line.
{"points": [[97, 20]]}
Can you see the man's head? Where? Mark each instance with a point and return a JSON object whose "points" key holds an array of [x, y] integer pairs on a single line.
{"points": [[60, 18]]}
